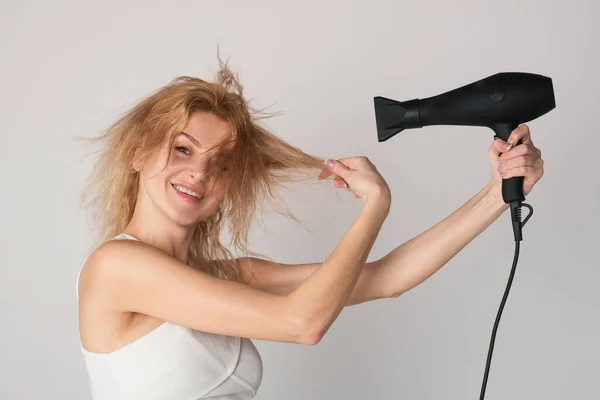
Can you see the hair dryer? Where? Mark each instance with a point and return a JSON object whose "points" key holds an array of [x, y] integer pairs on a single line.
{"points": [[500, 102]]}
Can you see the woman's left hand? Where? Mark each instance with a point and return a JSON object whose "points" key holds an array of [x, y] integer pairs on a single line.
{"points": [[522, 160]]}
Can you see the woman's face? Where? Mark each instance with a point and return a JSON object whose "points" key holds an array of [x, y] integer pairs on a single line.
{"points": [[191, 154]]}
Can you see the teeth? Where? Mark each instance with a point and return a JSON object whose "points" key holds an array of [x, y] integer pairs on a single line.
{"points": [[186, 191]]}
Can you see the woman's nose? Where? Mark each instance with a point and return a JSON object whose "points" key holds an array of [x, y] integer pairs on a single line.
{"points": [[199, 168]]}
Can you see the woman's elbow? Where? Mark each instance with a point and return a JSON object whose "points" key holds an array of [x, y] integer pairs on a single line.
{"points": [[311, 335], [306, 330]]}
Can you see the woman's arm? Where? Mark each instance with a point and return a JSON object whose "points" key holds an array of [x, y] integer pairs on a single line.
{"points": [[124, 276], [402, 269], [414, 261], [283, 279], [323, 295]]}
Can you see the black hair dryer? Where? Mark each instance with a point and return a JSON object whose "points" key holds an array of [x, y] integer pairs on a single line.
{"points": [[500, 102]]}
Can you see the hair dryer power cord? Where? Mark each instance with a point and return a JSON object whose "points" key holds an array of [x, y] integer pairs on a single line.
{"points": [[515, 212]]}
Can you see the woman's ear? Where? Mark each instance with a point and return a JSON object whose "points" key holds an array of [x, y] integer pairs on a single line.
{"points": [[137, 161]]}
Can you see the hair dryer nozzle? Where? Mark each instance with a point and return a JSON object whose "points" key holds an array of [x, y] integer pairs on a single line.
{"points": [[393, 116]]}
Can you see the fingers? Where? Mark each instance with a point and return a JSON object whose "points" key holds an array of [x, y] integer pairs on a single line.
{"points": [[518, 160], [518, 151], [520, 133], [340, 183], [327, 170], [324, 173], [522, 160], [516, 165], [528, 172], [500, 146], [338, 169]]}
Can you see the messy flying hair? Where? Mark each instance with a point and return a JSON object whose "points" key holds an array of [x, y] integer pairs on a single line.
{"points": [[257, 159]]}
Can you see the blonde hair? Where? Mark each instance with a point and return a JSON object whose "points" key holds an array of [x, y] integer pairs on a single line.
{"points": [[258, 161]]}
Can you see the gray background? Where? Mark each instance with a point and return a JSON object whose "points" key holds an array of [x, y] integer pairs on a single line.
{"points": [[71, 68]]}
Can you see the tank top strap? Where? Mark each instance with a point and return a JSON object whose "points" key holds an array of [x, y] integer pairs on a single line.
{"points": [[120, 236], [124, 235]]}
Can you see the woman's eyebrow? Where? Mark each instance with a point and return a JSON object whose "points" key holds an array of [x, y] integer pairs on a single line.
{"points": [[192, 139]]}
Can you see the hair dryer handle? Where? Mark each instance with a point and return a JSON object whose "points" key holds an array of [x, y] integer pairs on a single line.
{"points": [[512, 188]]}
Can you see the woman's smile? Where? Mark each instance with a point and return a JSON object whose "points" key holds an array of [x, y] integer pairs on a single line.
{"points": [[188, 198]]}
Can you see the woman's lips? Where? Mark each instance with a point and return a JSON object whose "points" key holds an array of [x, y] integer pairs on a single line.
{"points": [[186, 197]]}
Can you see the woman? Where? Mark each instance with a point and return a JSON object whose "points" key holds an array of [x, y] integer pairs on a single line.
{"points": [[166, 311]]}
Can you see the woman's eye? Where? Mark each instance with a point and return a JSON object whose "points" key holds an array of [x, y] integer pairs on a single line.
{"points": [[184, 149]]}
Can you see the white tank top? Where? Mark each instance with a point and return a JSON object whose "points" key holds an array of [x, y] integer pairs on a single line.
{"points": [[176, 363]]}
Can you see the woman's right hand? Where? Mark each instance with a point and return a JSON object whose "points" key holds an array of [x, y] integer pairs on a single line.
{"points": [[361, 176]]}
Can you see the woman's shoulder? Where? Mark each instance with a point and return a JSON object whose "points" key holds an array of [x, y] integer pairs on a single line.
{"points": [[112, 256], [97, 262], [110, 252]]}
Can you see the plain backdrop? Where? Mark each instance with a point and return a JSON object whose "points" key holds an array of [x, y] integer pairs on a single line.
{"points": [[72, 68]]}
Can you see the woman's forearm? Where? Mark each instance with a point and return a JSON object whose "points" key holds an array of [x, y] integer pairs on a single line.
{"points": [[321, 297], [414, 261]]}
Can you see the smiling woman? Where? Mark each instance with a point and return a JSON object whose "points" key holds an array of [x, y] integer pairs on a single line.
{"points": [[191, 174], [165, 309], [208, 139]]}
